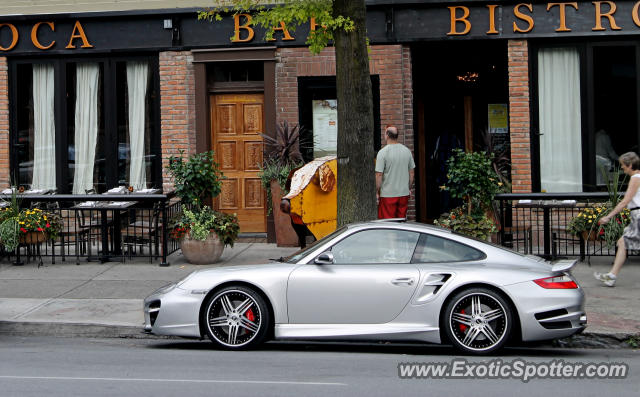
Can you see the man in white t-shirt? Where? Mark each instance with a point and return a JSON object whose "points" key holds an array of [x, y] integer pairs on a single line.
{"points": [[394, 177]]}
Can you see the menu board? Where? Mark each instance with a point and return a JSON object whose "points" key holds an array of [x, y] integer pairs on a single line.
{"points": [[325, 127]]}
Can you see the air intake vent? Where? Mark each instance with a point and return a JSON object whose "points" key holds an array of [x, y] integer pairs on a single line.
{"points": [[432, 285], [557, 325], [154, 309], [551, 314]]}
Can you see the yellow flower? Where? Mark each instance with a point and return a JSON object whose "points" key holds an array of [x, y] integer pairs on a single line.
{"points": [[443, 187]]}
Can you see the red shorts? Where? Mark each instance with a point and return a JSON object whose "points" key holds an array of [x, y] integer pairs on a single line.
{"points": [[393, 207]]}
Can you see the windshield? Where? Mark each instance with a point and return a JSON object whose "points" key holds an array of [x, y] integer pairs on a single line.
{"points": [[296, 256]]}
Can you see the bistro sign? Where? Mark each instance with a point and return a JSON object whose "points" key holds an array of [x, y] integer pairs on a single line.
{"points": [[603, 12]]}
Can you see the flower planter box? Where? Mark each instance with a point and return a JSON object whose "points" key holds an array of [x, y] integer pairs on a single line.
{"points": [[590, 236], [33, 238]]}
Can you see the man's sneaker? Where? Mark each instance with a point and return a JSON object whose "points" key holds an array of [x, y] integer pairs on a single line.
{"points": [[607, 278]]}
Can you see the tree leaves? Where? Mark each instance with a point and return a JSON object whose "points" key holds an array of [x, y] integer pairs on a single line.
{"points": [[293, 13]]}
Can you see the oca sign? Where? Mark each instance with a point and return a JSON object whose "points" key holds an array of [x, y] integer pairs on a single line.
{"points": [[76, 34]]}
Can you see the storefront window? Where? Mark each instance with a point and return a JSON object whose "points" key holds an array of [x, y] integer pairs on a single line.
{"points": [[35, 141], [104, 129], [560, 119], [587, 113], [85, 137], [135, 158]]}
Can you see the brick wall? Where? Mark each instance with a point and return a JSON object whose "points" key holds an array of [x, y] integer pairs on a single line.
{"points": [[177, 107], [519, 111], [4, 123], [391, 62]]}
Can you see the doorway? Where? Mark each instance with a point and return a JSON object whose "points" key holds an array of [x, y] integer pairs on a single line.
{"points": [[236, 121], [459, 85]]}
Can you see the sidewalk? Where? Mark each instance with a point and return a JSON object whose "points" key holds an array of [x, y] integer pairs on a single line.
{"points": [[95, 299]]}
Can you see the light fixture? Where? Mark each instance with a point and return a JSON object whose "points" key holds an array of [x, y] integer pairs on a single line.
{"points": [[469, 77]]}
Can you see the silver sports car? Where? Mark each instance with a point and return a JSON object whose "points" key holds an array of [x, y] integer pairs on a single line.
{"points": [[399, 281]]}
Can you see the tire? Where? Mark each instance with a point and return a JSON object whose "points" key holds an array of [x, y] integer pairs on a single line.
{"points": [[236, 318], [476, 333]]}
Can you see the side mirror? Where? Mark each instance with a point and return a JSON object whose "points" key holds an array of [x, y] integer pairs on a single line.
{"points": [[325, 258]]}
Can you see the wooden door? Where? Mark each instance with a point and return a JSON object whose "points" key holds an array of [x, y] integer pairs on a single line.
{"points": [[236, 120]]}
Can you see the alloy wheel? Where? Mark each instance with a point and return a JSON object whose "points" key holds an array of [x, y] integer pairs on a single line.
{"points": [[479, 322], [234, 318]]}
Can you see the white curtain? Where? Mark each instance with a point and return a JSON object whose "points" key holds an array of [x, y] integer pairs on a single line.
{"points": [[86, 130], [44, 129], [560, 126], [137, 73]]}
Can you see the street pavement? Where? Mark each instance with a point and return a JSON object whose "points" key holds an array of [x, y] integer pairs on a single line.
{"points": [[93, 299]]}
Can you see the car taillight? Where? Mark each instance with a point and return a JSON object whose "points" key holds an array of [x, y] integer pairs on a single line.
{"points": [[556, 282]]}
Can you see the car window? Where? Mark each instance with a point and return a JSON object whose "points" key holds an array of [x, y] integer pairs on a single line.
{"points": [[432, 249], [376, 246], [296, 256]]}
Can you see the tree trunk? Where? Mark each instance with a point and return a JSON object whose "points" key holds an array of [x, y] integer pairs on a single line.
{"points": [[356, 173]]}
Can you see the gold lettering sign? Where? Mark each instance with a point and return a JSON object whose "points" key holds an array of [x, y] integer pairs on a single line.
{"points": [[313, 24], [524, 17], [634, 14], [608, 15], [563, 16], [492, 19], [455, 20], [284, 30], [236, 22], [78, 33], [14, 36], [34, 35]]}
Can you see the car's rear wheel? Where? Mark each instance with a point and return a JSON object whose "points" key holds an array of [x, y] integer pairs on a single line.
{"points": [[477, 321], [236, 317]]}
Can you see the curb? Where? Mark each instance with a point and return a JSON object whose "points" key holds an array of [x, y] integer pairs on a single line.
{"points": [[597, 340], [586, 340], [70, 330]]}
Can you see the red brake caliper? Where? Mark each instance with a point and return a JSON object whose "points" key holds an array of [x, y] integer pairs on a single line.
{"points": [[250, 316], [462, 326]]}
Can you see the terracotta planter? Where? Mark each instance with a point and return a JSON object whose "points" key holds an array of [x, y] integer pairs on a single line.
{"points": [[202, 252], [285, 235], [33, 237]]}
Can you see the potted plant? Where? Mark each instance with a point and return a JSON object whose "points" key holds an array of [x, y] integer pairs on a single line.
{"points": [[281, 156], [477, 225], [203, 232], [586, 223], [27, 226], [472, 178]]}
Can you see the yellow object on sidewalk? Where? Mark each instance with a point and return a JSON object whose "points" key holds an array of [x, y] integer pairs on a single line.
{"points": [[314, 195]]}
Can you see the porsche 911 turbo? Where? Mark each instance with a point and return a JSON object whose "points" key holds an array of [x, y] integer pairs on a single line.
{"points": [[373, 281]]}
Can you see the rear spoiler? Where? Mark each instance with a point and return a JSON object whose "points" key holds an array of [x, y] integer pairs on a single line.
{"points": [[563, 265]]}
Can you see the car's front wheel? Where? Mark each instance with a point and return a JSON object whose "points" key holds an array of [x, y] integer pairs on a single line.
{"points": [[236, 318], [477, 321]]}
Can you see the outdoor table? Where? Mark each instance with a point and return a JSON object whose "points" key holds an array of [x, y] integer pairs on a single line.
{"points": [[103, 207], [546, 206]]}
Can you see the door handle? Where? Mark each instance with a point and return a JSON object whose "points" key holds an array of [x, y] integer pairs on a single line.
{"points": [[401, 281]]}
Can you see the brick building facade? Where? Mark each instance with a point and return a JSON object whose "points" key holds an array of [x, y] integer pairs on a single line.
{"points": [[434, 82]]}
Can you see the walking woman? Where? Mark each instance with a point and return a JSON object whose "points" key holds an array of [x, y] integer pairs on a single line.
{"points": [[630, 164]]}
